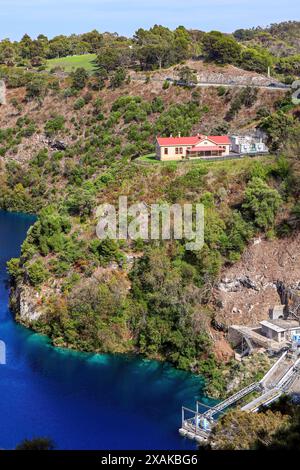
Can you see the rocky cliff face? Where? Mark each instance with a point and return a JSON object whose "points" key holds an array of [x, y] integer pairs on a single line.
{"points": [[25, 304], [248, 289]]}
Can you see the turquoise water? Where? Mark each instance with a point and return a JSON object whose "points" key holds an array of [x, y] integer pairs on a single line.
{"points": [[83, 401]]}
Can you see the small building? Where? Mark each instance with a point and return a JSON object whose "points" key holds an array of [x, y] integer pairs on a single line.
{"points": [[280, 330], [277, 312], [248, 144], [190, 148]]}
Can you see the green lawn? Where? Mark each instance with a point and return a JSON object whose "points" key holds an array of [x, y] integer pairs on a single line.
{"points": [[229, 165], [150, 158], [73, 62]]}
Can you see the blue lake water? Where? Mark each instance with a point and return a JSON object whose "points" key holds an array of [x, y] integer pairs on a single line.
{"points": [[82, 401]]}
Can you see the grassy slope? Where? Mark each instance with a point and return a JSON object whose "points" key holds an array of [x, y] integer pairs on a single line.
{"points": [[72, 62]]}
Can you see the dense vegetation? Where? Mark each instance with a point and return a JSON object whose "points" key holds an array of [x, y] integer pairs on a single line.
{"points": [[160, 306], [152, 298], [253, 49], [273, 428]]}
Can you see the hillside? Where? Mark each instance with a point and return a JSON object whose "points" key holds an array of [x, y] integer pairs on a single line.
{"points": [[215, 104], [281, 39], [265, 263], [68, 144]]}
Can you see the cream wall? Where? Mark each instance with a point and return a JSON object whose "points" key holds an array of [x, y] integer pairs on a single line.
{"points": [[207, 143], [160, 152]]}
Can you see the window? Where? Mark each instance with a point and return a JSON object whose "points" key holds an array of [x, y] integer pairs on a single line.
{"points": [[181, 150], [176, 150], [166, 150]]}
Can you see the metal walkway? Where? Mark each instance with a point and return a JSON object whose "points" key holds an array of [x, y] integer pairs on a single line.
{"points": [[276, 381], [231, 400]]}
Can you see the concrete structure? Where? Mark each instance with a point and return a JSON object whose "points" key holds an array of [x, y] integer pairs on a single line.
{"points": [[281, 378], [2, 92], [248, 144], [247, 339], [280, 330], [190, 148], [277, 312]]}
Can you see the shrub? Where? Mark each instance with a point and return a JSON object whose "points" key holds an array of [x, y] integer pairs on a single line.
{"points": [[54, 125], [79, 78], [261, 203], [36, 88], [14, 269], [80, 103], [221, 90], [37, 273], [118, 78], [106, 250]]}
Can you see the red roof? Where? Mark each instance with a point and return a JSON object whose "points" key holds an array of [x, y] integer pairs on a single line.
{"points": [[220, 139], [171, 141], [177, 141]]}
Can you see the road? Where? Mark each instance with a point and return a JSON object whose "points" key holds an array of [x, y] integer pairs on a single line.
{"points": [[218, 84]]}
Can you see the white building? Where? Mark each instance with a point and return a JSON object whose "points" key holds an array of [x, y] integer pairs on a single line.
{"points": [[247, 144], [280, 330]]}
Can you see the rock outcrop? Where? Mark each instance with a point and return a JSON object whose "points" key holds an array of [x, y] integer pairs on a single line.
{"points": [[267, 274], [25, 303]]}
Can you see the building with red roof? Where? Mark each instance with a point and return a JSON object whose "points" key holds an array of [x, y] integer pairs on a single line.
{"points": [[189, 148]]}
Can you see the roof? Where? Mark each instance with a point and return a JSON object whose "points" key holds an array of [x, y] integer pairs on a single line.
{"points": [[177, 140], [220, 139], [271, 326], [281, 325], [288, 324], [205, 147], [171, 141]]}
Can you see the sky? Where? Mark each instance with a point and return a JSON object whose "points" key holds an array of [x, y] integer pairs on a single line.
{"points": [[52, 17]]}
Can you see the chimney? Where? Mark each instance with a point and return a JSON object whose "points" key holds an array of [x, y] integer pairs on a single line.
{"points": [[179, 134], [171, 135]]}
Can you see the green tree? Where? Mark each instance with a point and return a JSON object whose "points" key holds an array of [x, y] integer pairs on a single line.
{"points": [[79, 78], [187, 75], [37, 273], [221, 48], [39, 443], [118, 78], [94, 39], [261, 203], [253, 59], [36, 88], [238, 430], [278, 127], [112, 56], [54, 125]]}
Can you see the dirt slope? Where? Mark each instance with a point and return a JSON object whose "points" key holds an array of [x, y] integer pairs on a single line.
{"points": [[248, 289]]}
